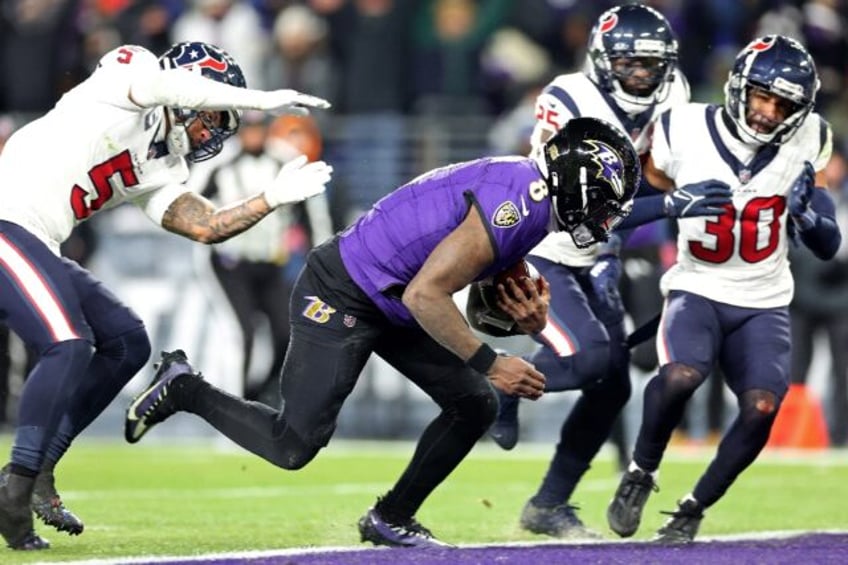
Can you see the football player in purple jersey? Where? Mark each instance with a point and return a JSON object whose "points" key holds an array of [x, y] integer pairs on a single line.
{"points": [[385, 286], [124, 134]]}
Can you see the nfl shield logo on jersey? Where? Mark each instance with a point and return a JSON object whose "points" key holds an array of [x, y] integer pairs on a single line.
{"points": [[745, 176]]}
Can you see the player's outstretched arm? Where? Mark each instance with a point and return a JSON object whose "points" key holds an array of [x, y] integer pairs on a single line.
{"points": [[705, 198], [197, 218], [181, 88]]}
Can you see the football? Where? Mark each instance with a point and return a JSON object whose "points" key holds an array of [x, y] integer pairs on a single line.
{"points": [[290, 135], [482, 310], [516, 272]]}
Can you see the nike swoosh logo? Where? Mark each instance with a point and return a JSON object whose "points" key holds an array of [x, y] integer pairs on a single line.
{"points": [[524, 210], [132, 418]]}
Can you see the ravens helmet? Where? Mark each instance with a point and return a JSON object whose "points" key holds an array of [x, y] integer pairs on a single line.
{"points": [[632, 55], [592, 171], [213, 63], [780, 66]]}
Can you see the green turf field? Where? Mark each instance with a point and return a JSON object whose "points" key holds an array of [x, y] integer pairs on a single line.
{"points": [[188, 500]]}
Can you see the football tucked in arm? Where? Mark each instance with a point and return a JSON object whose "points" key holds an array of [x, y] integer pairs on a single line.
{"points": [[482, 310], [517, 272]]}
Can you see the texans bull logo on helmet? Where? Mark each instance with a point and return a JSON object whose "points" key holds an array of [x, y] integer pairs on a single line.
{"points": [[196, 55]]}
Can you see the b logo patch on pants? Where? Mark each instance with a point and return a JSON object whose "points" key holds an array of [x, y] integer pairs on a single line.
{"points": [[317, 310]]}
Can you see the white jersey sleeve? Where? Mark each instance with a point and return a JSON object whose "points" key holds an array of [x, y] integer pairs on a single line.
{"points": [[826, 144], [117, 70], [154, 204], [661, 146]]}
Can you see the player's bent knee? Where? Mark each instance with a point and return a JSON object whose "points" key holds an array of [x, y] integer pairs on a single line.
{"points": [[681, 377], [759, 403], [478, 410], [137, 349], [69, 353], [290, 451], [294, 458]]}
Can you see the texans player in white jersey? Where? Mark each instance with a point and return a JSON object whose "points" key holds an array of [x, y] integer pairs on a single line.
{"points": [[629, 78], [727, 297], [124, 134]]}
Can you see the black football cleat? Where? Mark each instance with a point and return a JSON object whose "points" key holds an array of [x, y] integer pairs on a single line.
{"points": [[409, 533], [624, 512], [155, 403], [559, 521], [683, 525], [504, 430], [16, 525], [47, 504], [30, 542]]}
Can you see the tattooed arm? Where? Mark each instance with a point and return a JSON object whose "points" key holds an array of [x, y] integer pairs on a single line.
{"points": [[197, 218]]}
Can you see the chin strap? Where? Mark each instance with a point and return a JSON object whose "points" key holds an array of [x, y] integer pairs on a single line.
{"points": [[177, 138]]}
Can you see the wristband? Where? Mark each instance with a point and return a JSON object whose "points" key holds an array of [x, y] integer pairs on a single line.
{"points": [[483, 359]]}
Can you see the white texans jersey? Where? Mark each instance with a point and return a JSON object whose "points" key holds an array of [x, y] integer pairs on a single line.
{"points": [[574, 95], [93, 151], [740, 257]]}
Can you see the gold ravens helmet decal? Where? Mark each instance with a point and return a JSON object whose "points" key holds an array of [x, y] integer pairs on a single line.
{"points": [[506, 216]]}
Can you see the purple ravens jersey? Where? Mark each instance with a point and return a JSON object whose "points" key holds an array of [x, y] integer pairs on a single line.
{"points": [[386, 248]]}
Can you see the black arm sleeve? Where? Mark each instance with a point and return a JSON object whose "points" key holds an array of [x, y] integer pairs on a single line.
{"points": [[824, 238]]}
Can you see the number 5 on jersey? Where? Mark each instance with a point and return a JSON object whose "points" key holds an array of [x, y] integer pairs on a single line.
{"points": [[83, 203]]}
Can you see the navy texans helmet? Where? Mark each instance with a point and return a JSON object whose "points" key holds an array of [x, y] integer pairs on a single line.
{"points": [[213, 63], [780, 66], [625, 41], [592, 171]]}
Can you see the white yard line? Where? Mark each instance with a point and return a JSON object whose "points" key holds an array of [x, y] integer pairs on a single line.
{"points": [[335, 549]]}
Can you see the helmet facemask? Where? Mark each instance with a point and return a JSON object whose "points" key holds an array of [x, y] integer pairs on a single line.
{"points": [[779, 66], [592, 222], [179, 140], [738, 91], [628, 41]]}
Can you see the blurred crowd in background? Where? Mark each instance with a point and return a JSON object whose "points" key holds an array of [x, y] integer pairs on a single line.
{"points": [[420, 83], [384, 63]]}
